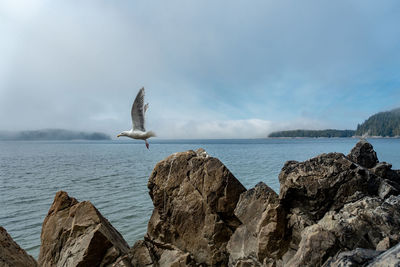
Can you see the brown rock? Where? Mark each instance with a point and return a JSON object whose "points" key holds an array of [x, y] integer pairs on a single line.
{"points": [[262, 233], [11, 254], [316, 245], [194, 197], [243, 247], [148, 253], [363, 153], [76, 234]]}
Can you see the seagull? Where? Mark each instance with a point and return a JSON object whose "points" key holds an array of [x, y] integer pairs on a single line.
{"points": [[137, 113]]}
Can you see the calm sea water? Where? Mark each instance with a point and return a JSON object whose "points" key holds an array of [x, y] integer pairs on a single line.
{"points": [[113, 175]]}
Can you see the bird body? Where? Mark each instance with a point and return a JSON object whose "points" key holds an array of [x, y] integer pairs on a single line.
{"points": [[137, 134], [138, 111]]}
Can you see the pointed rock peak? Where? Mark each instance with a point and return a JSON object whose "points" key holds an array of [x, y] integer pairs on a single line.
{"points": [[62, 201], [11, 254], [363, 154]]}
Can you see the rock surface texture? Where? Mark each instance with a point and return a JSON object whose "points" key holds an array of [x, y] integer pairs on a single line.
{"points": [[332, 210], [194, 199], [76, 234], [12, 255]]}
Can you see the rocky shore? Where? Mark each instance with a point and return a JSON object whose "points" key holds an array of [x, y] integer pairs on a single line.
{"points": [[332, 210]]}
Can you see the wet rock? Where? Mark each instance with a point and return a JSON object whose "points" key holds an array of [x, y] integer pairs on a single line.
{"points": [[76, 234], [262, 231], [11, 254], [194, 197], [363, 154]]}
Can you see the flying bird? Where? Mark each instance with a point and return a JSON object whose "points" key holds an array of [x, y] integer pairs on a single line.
{"points": [[138, 111]]}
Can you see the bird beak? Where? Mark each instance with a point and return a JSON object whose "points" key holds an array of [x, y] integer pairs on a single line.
{"points": [[118, 135]]}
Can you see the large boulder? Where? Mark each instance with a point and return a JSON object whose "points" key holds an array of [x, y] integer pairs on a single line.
{"points": [[262, 233], [76, 234], [336, 203], [324, 183], [194, 197], [11, 254], [363, 153]]}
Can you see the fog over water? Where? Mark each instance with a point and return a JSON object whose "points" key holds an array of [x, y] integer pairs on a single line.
{"points": [[210, 69]]}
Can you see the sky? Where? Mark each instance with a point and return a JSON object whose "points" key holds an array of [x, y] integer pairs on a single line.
{"points": [[211, 69]]}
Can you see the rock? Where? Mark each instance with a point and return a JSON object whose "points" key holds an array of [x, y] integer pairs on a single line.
{"points": [[147, 253], [317, 245], [370, 223], [11, 254], [311, 188], [387, 258], [390, 184], [365, 223], [387, 188], [363, 154], [263, 226], [384, 244], [194, 197], [76, 234], [357, 257]]}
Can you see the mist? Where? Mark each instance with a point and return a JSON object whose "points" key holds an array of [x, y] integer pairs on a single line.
{"points": [[210, 69]]}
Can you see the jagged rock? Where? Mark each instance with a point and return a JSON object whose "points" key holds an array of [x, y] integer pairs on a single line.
{"points": [[387, 258], [357, 257], [370, 223], [365, 223], [390, 184], [148, 253], [316, 245], [363, 153], [11, 254], [324, 183], [76, 234], [263, 226], [194, 197]]}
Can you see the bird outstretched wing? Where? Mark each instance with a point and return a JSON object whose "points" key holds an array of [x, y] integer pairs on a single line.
{"points": [[137, 112]]}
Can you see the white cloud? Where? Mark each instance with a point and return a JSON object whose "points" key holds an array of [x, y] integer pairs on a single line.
{"points": [[232, 129]]}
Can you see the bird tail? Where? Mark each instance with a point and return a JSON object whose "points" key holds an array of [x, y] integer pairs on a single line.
{"points": [[151, 134]]}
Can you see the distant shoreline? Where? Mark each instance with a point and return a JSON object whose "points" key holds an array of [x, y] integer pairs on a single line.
{"points": [[52, 135]]}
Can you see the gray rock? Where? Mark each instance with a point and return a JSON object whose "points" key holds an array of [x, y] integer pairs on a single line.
{"points": [[363, 153], [353, 258], [389, 258], [365, 223], [11, 254], [325, 183]]}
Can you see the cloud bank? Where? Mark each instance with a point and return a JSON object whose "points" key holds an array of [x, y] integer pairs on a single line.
{"points": [[210, 69]]}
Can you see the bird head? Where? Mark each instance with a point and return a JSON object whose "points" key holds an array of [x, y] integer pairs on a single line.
{"points": [[121, 134]]}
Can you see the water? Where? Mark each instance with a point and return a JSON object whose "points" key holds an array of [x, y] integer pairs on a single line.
{"points": [[113, 175]]}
